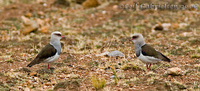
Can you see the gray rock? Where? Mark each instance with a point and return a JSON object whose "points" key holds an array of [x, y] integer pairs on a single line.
{"points": [[112, 77], [103, 54], [116, 53]]}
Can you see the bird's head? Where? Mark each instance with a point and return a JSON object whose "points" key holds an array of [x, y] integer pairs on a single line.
{"points": [[137, 38], [56, 35]]}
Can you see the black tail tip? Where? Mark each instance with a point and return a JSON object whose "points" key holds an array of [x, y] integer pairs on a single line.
{"points": [[29, 65], [169, 60]]}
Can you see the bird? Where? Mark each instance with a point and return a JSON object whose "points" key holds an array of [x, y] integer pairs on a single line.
{"points": [[145, 52], [50, 52]]}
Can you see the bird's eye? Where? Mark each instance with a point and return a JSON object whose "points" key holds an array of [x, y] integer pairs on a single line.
{"points": [[58, 34], [134, 37]]}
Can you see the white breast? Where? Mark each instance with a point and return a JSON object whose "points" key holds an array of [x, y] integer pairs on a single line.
{"points": [[51, 59], [148, 59]]}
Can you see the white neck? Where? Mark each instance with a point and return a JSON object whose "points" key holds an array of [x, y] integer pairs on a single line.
{"points": [[55, 42]]}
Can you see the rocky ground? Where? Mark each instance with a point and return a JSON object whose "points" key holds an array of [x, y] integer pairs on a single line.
{"points": [[25, 28]]}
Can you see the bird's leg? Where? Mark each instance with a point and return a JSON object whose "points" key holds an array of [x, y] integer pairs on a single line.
{"points": [[147, 66], [48, 66]]}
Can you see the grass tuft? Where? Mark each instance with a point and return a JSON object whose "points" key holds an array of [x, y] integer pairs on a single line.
{"points": [[115, 74], [98, 83], [195, 56], [10, 61]]}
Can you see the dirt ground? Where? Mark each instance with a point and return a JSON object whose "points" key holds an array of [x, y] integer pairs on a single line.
{"points": [[93, 31]]}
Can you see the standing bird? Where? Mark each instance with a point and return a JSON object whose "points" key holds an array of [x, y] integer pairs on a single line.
{"points": [[50, 52], [146, 53]]}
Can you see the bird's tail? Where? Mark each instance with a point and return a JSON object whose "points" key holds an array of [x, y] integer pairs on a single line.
{"points": [[33, 62], [29, 65], [165, 58]]}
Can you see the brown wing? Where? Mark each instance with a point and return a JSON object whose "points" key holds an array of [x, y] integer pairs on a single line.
{"points": [[150, 51], [45, 53]]}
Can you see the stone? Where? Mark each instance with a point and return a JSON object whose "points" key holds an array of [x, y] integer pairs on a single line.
{"points": [[41, 22], [40, 13], [103, 54], [28, 25], [33, 74], [28, 14], [115, 7], [112, 77], [116, 53], [161, 27], [103, 5], [48, 84], [174, 71], [90, 4], [44, 29]]}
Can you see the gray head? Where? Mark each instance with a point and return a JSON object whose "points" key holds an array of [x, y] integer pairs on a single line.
{"points": [[56, 36], [138, 39]]}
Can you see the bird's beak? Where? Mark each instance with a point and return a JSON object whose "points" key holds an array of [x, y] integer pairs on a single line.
{"points": [[131, 39], [62, 37]]}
